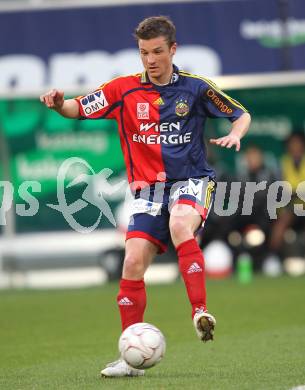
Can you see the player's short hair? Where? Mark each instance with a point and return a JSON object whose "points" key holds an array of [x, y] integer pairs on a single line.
{"points": [[156, 26]]}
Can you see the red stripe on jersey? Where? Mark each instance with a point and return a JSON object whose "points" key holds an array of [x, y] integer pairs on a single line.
{"points": [[140, 130]]}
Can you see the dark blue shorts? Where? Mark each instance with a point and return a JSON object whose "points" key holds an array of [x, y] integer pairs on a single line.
{"points": [[152, 206]]}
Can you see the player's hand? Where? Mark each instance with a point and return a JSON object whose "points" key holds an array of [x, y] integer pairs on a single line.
{"points": [[53, 99], [227, 141]]}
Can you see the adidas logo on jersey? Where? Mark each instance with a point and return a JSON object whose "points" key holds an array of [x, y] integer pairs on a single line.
{"points": [[159, 101], [194, 268], [125, 302]]}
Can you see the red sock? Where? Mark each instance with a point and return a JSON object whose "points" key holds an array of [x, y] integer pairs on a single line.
{"points": [[191, 265], [131, 301]]}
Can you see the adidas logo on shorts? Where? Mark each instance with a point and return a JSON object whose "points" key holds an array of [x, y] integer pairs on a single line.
{"points": [[194, 268], [125, 302]]}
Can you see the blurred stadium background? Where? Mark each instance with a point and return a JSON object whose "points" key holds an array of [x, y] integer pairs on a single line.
{"points": [[253, 49]]}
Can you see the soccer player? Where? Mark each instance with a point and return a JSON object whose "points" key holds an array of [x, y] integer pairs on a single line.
{"points": [[161, 114]]}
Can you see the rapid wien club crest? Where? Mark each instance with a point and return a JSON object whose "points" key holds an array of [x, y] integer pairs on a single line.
{"points": [[182, 107]]}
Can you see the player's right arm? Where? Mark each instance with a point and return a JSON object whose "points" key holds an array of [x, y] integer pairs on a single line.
{"points": [[54, 99]]}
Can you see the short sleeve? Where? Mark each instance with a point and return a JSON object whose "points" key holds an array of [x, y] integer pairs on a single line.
{"points": [[101, 103], [217, 104]]}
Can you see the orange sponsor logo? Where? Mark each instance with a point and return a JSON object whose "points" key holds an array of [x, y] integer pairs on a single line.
{"points": [[218, 102]]}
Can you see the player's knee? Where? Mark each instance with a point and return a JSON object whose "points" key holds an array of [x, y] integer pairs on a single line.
{"points": [[133, 266], [179, 230]]}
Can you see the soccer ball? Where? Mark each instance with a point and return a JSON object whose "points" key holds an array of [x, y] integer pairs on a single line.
{"points": [[142, 345]]}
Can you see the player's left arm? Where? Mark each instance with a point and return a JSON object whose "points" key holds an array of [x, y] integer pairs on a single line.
{"points": [[239, 128], [218, 104]]}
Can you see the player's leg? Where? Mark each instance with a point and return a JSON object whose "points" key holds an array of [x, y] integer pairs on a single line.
{"points": [[184, 221], [147, 235], [188, 213], [131, 298]]}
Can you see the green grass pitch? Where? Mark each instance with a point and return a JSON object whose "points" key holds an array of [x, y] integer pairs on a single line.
{"points": [[61, 339]]}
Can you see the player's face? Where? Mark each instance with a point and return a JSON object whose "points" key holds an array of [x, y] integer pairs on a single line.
{"points": [[157, 58]]}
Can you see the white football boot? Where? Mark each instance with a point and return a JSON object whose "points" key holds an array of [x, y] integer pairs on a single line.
{"points": [[204, 324], [120, 368]]}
